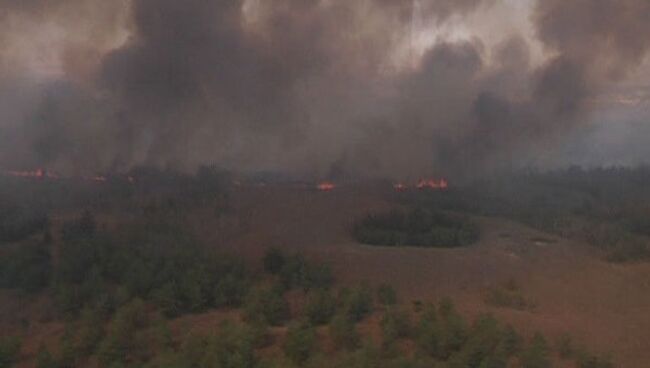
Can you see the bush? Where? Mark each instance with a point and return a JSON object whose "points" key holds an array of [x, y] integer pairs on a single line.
{"points": [[9, 349], [274, 261], [395, 324], [386, 295], [152, 261], [356, 302], [428, 332], [507, 298], [565, 346], [18, 223], [120, 343], [300, 343], [343, 332], [90, 331], [483, 345], [416, 228], [266, 305], [44, 359], [320, 308], [27, 267], [537, 353], [586, 360], [297, 272], [453, 331], [232, 347]]}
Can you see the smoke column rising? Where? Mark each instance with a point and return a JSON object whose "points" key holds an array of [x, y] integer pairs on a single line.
{"points": [[368, 88]]}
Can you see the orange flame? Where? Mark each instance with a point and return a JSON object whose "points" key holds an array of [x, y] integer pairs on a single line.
{"points": [[433, 184], [36, 174], [39, 174], [326, 186]]}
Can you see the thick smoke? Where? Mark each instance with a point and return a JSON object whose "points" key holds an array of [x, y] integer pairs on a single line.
{"points": [[316, 87]]}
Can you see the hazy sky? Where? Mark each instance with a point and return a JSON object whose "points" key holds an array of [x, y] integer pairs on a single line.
{"points": [[364, 87]]}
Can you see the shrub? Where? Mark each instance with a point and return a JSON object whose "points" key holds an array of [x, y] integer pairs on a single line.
{"points": [[483, 346], [357, 302], [266, 305], [27, 267], [297, 272], [453, 331], [395, 324], [232, 347], [274, 261], [320, 308], [507, 298], [90, 331], [418, 227], [537, 353], [18, 223], [120, 342], [44, 359], [343, 332], [9, 349], [565, 346], [300, 343], [386, 295], [428, 331], [586, 360]]}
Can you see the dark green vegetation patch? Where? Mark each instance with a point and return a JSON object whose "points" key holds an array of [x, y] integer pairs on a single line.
{"points": [[419, 227]]}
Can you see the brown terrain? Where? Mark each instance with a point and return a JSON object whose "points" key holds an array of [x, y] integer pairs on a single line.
{"points": [[569, 289]]}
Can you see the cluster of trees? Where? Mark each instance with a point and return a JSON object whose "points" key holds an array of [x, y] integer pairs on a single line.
{"points": [[418, 227], [20, 222], [321, 330], [157, 262], [26, 266], [9, 349], [605, 207]]}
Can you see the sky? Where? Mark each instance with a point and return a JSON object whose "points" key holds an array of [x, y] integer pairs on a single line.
{"points": [[369, 88]]}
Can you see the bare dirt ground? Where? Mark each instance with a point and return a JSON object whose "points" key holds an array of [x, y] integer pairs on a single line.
{"points": [[604, 306]]}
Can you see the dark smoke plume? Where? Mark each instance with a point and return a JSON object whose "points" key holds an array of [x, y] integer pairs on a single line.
{"points": [[305, 86]]}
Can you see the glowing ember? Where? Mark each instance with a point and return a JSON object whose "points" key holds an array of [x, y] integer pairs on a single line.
{"points": [[326, 186], [400, 187], [432, 184]]}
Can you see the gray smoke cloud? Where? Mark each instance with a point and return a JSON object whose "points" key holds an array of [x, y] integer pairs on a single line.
{"points": [[306, 86]]}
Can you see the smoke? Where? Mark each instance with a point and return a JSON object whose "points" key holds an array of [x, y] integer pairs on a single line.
{"points": [[316, 87]]}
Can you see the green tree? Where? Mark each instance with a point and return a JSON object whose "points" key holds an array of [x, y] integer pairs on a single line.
{"points": [[28, 267], [357, 302], [453, 330], [428, 331], [321, 306], [274, 261], [90, 331], [231, 347], [395, 324], [120, 343], [44, 358], [9, 349], [536, 355], [343, 332], [300, 343], [266, 304], [386, 295]]}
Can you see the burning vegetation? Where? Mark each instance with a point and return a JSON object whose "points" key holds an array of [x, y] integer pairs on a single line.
{"points": [[40, 174], [326, 186]]}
